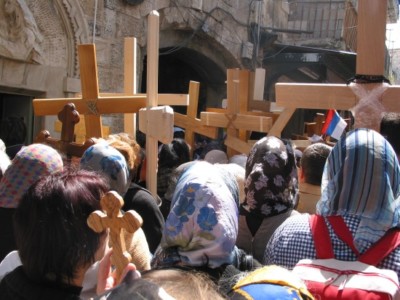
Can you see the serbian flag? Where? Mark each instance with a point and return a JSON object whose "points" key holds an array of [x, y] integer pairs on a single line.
{"points": [[334, 124]]}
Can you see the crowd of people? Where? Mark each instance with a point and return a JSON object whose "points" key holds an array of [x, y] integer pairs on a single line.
{"points": [[218, 228]]}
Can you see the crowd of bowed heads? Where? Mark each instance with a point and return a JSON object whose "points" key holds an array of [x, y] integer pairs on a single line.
{"points": [[219, 227]]}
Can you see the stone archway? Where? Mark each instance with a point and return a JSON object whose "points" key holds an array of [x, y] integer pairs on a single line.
{"points": [[177, 68]]}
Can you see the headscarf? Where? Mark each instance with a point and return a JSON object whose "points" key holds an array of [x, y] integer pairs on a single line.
{"points": [[271, 186], [202, 226], [109, 162], [29, 164], [362, 178]]}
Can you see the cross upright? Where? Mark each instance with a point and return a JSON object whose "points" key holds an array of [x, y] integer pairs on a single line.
{"points": [[366, 100]]}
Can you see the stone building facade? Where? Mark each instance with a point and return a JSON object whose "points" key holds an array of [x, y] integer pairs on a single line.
{"points": [[199, 40]]}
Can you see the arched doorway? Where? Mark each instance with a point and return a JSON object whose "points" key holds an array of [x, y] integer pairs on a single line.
{"points": [[178, 67]]}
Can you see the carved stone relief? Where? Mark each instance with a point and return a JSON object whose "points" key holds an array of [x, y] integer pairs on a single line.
{"points": [[20, 38]]}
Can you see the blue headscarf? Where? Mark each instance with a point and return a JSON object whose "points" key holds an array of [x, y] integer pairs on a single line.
{"points": [[362, 178], [108, 161], [202, 225]]}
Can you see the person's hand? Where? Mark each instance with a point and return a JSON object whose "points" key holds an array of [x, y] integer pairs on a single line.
{"points": [[106, 277]]}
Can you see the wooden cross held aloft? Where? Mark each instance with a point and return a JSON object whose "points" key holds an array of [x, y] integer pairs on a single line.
{"points": [[371, 30], [117, 222], [156, 122], [92, 104], [68, 117], [236, 116]]}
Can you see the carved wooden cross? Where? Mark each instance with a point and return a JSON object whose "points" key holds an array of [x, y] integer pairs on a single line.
{"points": [[114, 220], [371, 31], [68, 117], [190, 122], [236, 117]]}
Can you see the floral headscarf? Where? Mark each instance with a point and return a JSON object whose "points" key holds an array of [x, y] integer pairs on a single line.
{"points": [[28, 165], [271, 186], [202, 225], [110, 162], [362, 178]]}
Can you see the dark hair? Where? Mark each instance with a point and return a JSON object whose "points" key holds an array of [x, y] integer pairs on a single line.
{"points": [[390, 130], [173, 154], [50, 225], [13, 130], [313, 161]]}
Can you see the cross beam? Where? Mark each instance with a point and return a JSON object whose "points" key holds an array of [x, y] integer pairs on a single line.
{"points": [[371, 31], [236, 118]]}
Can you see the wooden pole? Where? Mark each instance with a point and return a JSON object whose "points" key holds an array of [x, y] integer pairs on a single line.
{"points": [[152, 94]]}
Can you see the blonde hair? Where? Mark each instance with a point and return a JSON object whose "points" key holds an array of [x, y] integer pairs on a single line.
{"points": [[121, 141], [184, 284]]}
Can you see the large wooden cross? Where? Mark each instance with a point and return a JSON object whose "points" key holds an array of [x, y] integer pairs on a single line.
{"points": [[156, 122], [92, 104], [371, 31], [236, 118]]}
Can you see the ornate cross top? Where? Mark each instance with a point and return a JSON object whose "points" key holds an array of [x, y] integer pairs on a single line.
{"points": [[69, 117], [117, 222]]}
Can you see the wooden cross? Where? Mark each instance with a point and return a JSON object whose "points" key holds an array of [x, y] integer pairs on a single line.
{"points": [[190, 122], [68, 117], [113, 219], [156, 122], [92, 104], [236, 118], [371, 31]]}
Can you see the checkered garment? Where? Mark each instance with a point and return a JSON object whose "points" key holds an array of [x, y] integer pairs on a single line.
{"points": [[361, 183]]}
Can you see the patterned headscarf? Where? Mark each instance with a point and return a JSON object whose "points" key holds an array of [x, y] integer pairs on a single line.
{"points": [[271, 186], [202, 226], [362, 178], [29, 164], [109, 162]]}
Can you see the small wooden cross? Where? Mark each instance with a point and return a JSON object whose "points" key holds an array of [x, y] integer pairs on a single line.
{"points": [[113, 219], [190, 122], [371, 31], [68, 117], [236, 119]]}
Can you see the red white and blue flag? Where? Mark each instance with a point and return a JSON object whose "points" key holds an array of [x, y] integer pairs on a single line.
{"points": [[334, 124]]}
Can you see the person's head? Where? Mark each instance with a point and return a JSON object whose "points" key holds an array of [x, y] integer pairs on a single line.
{"points": [[30, 163], [269, 282], [13, 130], [52, 236], [271, 186], [238, 173], [202, 226], [182, 284], [173, 154], [108, 161], [362, 178], [390, 129], [216, 157], [312, 163]]}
